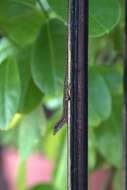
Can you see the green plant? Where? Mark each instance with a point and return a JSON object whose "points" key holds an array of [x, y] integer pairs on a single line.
{"points": [[33, 48]]}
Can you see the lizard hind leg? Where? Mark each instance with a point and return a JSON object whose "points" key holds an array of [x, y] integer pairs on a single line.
{"points": [[59, 125]]}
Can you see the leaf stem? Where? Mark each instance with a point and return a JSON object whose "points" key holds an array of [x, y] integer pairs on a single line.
{"points": [[43, 8]]}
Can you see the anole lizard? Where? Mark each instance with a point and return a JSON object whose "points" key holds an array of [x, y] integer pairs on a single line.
{"points": [[66, 98]]}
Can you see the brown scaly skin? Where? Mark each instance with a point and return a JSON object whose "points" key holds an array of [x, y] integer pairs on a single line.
{"points": [[64, 117]]}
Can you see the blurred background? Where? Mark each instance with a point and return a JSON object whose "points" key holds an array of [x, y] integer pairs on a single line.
{"points": [[106, 102], [33, 57]]}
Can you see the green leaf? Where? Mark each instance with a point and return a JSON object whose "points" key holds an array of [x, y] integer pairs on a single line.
{"points": [[52, 142], [31, 129], [60, 10], [6, 49], [43, 187], [31, 96], [113, 78], [108, 137], [49, 58], [91, 152], [60, 173], [103, 16], [100, 103], [9, 91], [20, 21], [118, 179], [21, 176]]}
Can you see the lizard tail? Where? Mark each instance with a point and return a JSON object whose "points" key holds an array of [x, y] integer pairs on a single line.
{"points": [[59, 125]]}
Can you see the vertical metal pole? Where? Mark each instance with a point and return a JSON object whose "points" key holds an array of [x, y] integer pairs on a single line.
{"points": [[78, 106]]}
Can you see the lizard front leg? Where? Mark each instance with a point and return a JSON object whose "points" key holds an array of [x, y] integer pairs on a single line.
{"points": [[59, 124], [64, 117]]}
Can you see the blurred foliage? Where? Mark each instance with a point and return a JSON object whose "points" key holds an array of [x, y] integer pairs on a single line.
{"points": [[33, 54]]}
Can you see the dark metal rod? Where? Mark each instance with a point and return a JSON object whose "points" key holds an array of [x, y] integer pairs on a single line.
{"points": [[78, 106]]}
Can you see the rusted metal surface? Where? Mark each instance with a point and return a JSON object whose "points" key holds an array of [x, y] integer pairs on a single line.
{"points": [[78, 106]]}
